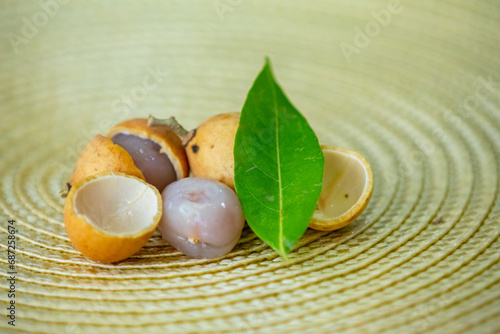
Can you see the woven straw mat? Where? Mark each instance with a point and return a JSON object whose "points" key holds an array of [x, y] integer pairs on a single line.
{"points": [[414, 86]]}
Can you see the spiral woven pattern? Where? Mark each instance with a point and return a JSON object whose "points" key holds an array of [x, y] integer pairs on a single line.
{"points": [[413, 86]]}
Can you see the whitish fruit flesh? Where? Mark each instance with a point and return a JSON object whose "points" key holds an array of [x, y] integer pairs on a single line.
{"points": [[347, 189], [110, 216]]}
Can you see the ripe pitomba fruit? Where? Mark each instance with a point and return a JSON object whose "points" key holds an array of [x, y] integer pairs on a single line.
{"points": [[156, 150], [347, 189], [209, 148], [202, 217], [100, 155], [110, 216]]}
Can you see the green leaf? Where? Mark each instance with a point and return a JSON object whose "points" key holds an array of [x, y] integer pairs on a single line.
{"points": [[278, 170]]}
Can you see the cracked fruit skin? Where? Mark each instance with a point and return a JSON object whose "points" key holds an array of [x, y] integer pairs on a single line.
{"points": [[109, 216], [156, 150], [202, 217], [209, 148], [101, 155]]}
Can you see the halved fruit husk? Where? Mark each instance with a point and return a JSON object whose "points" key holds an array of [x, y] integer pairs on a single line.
{"points": [[163, 135], [109, 216], [347, 189]]}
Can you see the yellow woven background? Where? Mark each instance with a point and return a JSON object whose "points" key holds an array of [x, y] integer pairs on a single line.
{"points": [[419, 98]]}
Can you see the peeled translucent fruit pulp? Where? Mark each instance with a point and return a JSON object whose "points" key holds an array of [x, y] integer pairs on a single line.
{"points": [[156, 150], [110, 216], [347, 188], [155, 166], [202, 217]]}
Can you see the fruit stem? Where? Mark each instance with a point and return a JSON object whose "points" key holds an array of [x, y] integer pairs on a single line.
{"points": [[64, 192], [171, 122]]}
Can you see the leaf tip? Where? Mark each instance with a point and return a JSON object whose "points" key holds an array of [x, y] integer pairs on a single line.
{"points": [[267, 66]]}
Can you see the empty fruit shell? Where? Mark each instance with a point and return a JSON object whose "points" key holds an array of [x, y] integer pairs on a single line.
{"points": [[347, 189], [110, 216]]}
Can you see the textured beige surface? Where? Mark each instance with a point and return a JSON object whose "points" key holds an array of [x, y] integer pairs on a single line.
{"points": [[421, 101]]}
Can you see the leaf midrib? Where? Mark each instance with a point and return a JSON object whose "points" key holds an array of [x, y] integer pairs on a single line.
{"points": [[275, 102]]}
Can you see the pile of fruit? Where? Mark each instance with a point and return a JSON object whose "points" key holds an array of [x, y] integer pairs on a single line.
{"points": [[151, 173]]}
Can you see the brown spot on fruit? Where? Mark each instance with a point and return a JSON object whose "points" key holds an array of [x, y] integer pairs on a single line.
{"points": [[346, 195], [213, 157]]}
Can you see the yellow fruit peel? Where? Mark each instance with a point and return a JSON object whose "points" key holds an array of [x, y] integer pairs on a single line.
{"points": [[163, 135], [347, 189], [210, 149], [101, 155], [109, 216]]}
